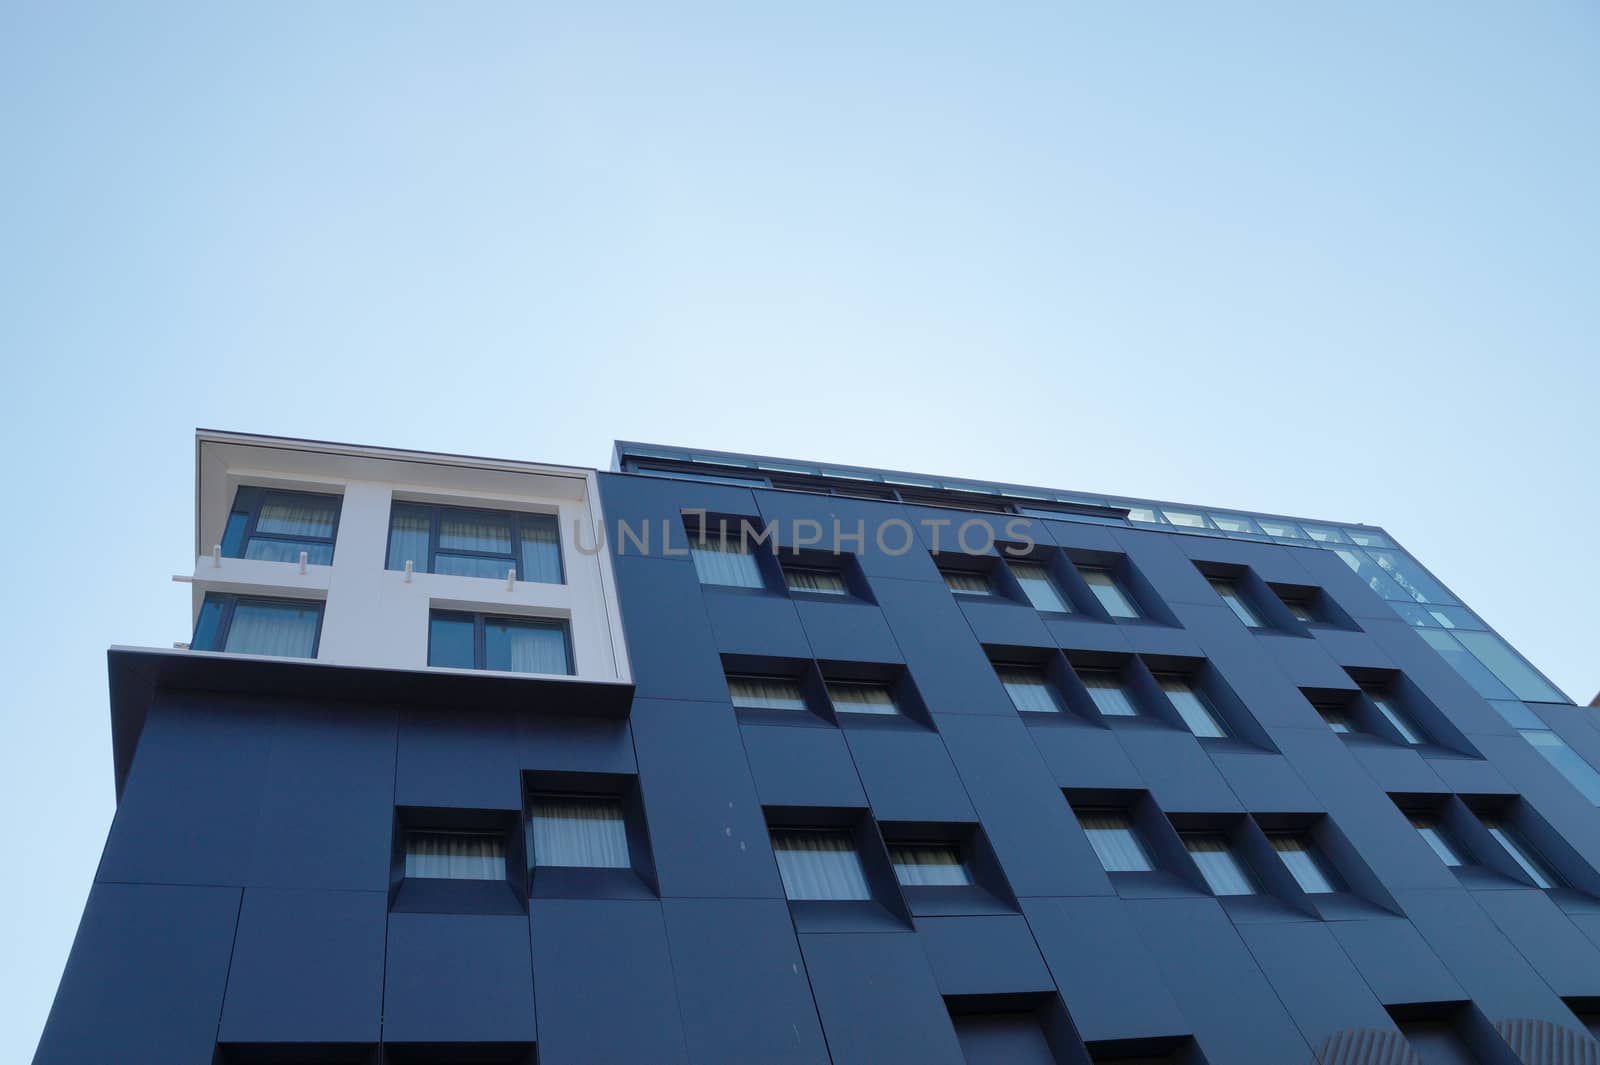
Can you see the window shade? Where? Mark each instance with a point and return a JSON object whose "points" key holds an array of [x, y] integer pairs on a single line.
{"points": [[579, 831], [819, 865]]}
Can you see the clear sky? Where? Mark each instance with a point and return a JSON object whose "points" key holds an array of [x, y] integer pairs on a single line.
{"points": [[1330, 260]]}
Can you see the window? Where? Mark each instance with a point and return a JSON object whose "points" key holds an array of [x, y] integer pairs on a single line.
{"points": [[815, 581], [1433, 833], [1191, 705], [1389, 707], [1301, 609], [855, 698], [1115, 842], [1230, 593], [287, 628], [967, 582], [725, 560], [1110, 695], [766, 693], [819, 865], [276, 526], [1337, 716], [1532, 863], [1110, 594], [462, 542], [1309, 869], [579, 830], [929, 865], [1224, 873], [434, 854], [1029, 690], [484, 641], [1568, 762], [1039, 588]]}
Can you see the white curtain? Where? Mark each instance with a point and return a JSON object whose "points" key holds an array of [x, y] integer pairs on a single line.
{"points": [[1218, 865], [1395, 717], [1029, 691], [282, 515], [1115, 844], [483, 531], [286, 629], [967, 583], [929, 865], [541, 548], [719, 561], [408, 536], [815, 580], [765, 693], [455, 856], [578, 831], [1109, 592], [1236, 602], [1433, 834], [1039, 588], [862, 699], [525, 646], [819, 865], [1106, 689], [1191, 707], [1303, 863], [1537, 871]]}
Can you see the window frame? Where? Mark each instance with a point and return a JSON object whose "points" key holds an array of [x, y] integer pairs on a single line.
{"points": [[636, 880], [480, 620], [435, 519], [227, 602], [247, 532]]}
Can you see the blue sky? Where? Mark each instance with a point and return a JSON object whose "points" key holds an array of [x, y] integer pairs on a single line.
{"points": [[1337, 261]]}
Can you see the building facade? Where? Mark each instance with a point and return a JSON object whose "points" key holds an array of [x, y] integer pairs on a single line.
{"points": [[721, 759]]}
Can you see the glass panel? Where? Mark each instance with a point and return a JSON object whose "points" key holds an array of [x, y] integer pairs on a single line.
{"points": [[1473, 671], [1304, 864], [409, 530], [1144, 515], [819, 865], [1110, 697], [289, 514], [1189, 519], [928, 865], [525, 646], [1229, 591], [766, 693], [1455, 617], [472, 566], [206, 627], [1029, 690], [1373, 574], [1326, 534], [1517, 715], [579, 831], [862, 699], [1416, 615], [1235, 523], [725, 562], [1538, 871], [450, 640], [1115, 843], [1509, 667], [1116, 602], [1412, 577], [1191, 706], [1433, 835], [269, 550], [1039, 588], [541, 548], [260, 627], [967, 583], [1301, 609], [1390, 709], [1568, 762], [1283, 530], [486, 532], [1224, 873], [1337, 717], [818, 581], [455, 855], [244, 502], [1368, 538]]}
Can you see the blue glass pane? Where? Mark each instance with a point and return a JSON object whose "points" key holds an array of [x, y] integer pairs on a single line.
{"points": [[409, 530], [205, 630], [1456, 617], [1510, 668], [485, 532], [287, 629], [450, 640], [1373, 574], [1475, 672], [1412, 577], [541, 549], [1283, 530], [293, 514], [472, 566], [1326, 534], [1416, 615], [317, 554], [1369, 538], [525, 646], [1517, 715]]}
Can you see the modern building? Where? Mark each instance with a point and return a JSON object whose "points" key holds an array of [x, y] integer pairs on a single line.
{"points": [[715, 759]]}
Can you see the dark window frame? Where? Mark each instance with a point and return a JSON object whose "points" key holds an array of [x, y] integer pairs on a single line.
{"points": [[480, 621], [226, 604], [435, 518], [236, 541]]}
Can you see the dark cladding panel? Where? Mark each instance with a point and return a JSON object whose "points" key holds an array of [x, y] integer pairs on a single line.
{"points": [[878, 1000], [1314, 978], [459, 758], [847, 632], [671, 650], [908, 775], [458, 978], [1553, 945], [1396, 963], [946, 660], [801, 766], [745, 622], [984, 955]]}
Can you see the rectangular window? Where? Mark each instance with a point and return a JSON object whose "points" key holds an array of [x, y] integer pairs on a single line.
{"points": [[1230, 593], [966, 582], [1308, 867], [766, 693], [1115, 842], [815, 581], [1434, 835], [819, 865], [1532, 863], [1110, 695], [1191, 705], [438, 854], [861, 698], [286, 628], [929, 865], [276, 526], [1389, 707], [485, 641], [579, 831], [1224, 873], [1337, 717], [1301, 609], [1110, 594], [1568, 762], [725, 561], [1029, 690], [1039, 588], [466, 542]]}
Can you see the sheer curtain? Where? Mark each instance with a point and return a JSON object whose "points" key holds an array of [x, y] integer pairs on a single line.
{"points": [[766, 693], [819, 865], [1109, 592], [820, 581], [967, 583], [1304, 864], [482, 531], [1029, 691], [1109, 695], [286, 629], [1191, 707], [1217, 864], [455, 856], [579, 832], [288, 515], [526, 646], [541, 548], [1039, 588], [1115, 844], [928, 865], [862, 699], [719, 561], [409, 529]]}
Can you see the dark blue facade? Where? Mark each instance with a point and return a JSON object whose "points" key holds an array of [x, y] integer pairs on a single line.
{"points": [[247, 907]]}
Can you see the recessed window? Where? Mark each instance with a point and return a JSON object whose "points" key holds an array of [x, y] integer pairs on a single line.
{"points": [[467, 542], [1392, 712], [815, 581], [1113, 598], [1230, 593], [819, 865], [1192, 705], [1223, 871], [766, 693], [1040, 589], [1568, 762], [1115, 842], [1109, 692], [276, 526], [1308, 867], [437, 854], [486, 641], [1029, 690], [1301, 609], [1434, 834], [852, 698], [1531, 862], [929, 865], [287, 628], [967, 582], [725, 560], [1337, 717], [579, 831]]}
